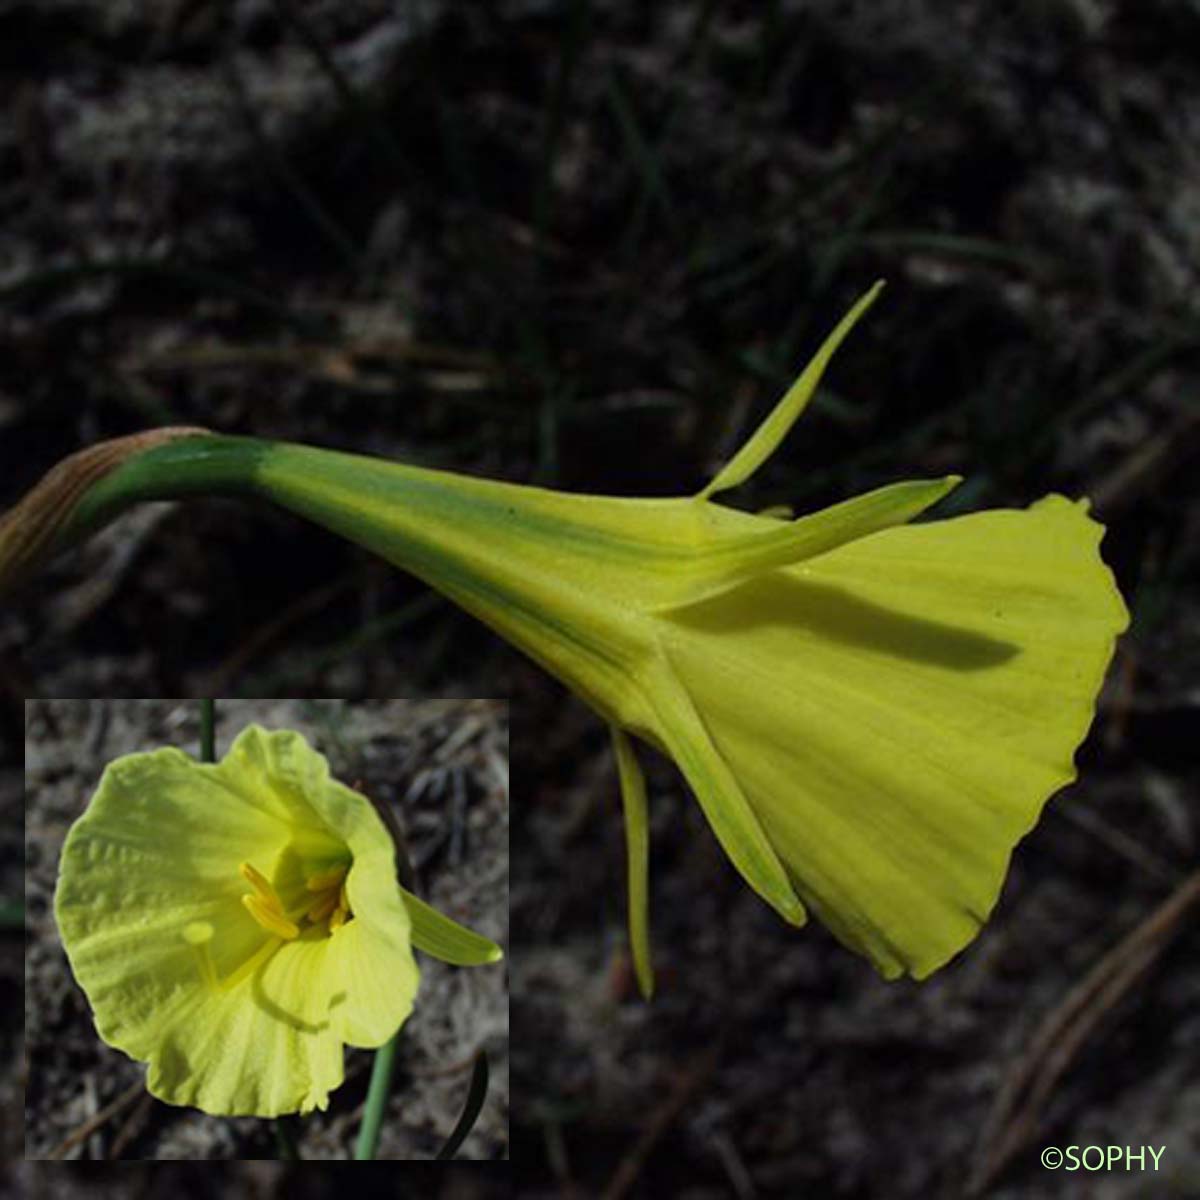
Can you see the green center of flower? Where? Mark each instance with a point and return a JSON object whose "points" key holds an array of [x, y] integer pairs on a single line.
{"points": [[323, 900]]}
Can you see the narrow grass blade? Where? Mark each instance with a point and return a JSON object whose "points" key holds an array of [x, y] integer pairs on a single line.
{"points": [[476, 1094]]}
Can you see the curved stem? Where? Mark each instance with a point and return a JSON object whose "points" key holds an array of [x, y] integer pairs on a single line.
{"points": [[93, 486], [204, 464]]}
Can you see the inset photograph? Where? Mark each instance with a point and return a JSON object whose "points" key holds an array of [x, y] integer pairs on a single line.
{"points": [[266, 929]]}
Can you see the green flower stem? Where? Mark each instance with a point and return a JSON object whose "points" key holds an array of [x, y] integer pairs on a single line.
{"points": [[93, 486], [188, 466], [377, 1095]]}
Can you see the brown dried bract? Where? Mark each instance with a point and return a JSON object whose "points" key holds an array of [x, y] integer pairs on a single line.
{"points": [[31, 531]]}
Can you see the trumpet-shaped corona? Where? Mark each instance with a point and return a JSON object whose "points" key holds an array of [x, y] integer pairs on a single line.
{"points": [[870, 712], [234, 924]]}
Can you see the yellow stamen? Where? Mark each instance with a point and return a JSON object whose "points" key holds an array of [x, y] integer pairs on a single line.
{"points": [[271, 920], [262, 886], [257, 880], [326, 879]]}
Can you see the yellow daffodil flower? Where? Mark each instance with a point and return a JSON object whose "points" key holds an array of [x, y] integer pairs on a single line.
{"points": [[233, 924], [870, 713]]}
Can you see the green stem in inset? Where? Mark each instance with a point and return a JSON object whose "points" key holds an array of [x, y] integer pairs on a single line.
{"points": [[377, 1095]]}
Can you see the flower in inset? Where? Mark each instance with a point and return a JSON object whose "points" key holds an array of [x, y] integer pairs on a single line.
{"points": [[870, 713], [233, 924]]}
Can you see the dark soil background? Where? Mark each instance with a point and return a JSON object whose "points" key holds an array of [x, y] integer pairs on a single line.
{"points": [[587, 245]]}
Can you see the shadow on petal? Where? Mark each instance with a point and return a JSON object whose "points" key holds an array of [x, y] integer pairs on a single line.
{"points": [[783, 600]]}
